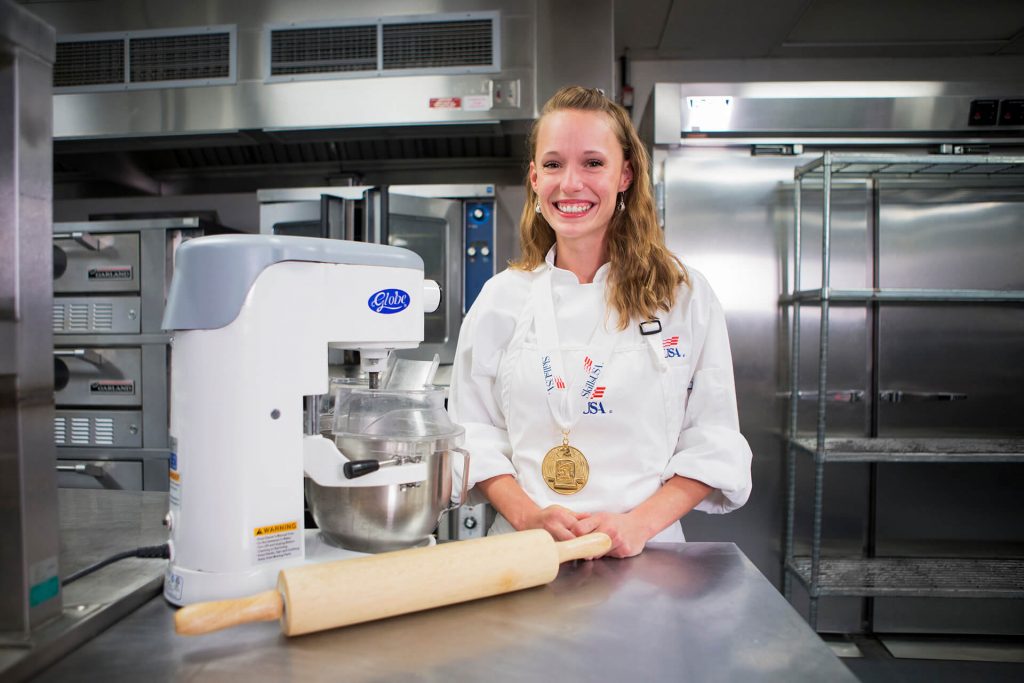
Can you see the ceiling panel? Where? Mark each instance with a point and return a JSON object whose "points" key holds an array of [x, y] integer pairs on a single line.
{"points": [[909, 21], [738, 29], [727, 28]]}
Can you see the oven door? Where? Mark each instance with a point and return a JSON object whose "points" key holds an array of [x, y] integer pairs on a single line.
{"points": [[433, 229]]}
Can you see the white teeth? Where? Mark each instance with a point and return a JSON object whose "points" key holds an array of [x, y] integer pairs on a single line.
{"points": [[565, 207]]}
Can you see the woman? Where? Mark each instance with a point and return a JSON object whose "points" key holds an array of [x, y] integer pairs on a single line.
{"points": [[594, 377]]}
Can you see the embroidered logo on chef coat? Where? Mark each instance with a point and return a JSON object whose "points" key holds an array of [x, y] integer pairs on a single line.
{"points": [[671, 346]]}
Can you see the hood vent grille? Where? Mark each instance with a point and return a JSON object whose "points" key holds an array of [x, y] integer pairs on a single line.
{"points": [[438, 44], [386, 46], [145, 59], [329, 49], [89, 62], [180, 58]]}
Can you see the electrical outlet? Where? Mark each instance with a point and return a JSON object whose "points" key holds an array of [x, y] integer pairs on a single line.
{"points": [[506, 93]]}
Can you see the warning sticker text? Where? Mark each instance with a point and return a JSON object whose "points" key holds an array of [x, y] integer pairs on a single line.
{"points": [[278, 541]]}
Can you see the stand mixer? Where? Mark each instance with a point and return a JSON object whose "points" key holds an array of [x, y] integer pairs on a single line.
{"points": [[252, 318]]}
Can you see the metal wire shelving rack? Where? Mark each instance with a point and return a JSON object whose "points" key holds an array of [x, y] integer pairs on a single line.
{"points": [[869, 576]]}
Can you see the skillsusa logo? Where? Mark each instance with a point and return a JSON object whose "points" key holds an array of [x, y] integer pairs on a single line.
{"points": [[550, 381], [388, 301], [593, 371], [590, 389], [671, 346]]}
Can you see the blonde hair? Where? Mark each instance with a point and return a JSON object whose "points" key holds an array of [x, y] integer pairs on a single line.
{"points": [[644, 275]]}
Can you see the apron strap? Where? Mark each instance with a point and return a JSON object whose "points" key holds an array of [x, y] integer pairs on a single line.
{"points": [[657, 353], [513, 351]]}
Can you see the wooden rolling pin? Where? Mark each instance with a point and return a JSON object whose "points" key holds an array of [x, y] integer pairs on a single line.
{"points": [[315, 597]]}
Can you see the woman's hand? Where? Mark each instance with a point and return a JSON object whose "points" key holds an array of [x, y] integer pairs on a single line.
{"points": [[522, 513], [555, 519], [628, 534], [631, 530]]}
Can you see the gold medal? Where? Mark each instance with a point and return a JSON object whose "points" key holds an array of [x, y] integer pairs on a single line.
{"points": [[565, 469]]}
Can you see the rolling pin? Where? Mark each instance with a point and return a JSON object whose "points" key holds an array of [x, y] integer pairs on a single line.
{"points": [[315, 597]]}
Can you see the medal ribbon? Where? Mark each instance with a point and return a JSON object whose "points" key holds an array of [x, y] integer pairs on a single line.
{"points": [[566, 395]]}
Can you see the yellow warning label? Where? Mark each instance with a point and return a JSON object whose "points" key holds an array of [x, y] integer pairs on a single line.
{"points": [[174, 475], [275, 529]]}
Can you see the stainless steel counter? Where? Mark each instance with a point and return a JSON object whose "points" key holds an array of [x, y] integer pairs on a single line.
{"points": [[95, 524], [692, 612]]}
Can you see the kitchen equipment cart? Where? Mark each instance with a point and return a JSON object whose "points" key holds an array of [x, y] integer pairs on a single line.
{"points": [[870, 576]]}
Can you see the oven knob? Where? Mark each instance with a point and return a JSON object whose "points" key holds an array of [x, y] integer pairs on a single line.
{"points": [[471, 251], [478, 214], [485, 251]]}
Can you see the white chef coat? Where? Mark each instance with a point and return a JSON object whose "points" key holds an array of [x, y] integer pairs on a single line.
{"points": [[665, 404]]}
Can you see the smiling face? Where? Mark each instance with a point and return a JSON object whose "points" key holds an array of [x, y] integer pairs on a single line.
{"points": [[577, 171]]}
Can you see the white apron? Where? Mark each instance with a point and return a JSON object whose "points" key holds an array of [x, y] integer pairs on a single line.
{"points": [[627, 427]]}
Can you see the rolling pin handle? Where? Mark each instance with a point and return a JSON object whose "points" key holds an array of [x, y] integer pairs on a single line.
{"points": [[206, 617], [584, 547], [357, 468]]}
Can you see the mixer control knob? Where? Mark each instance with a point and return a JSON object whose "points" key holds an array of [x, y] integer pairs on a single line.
{"points": [[485, 251], [471, 251], [469, 522]]}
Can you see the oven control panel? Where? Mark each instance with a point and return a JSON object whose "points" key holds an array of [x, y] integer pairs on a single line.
{"points": [[478, 248]]}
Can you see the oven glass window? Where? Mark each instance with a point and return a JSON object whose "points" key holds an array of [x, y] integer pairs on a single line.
{"points": [[428, 237]]}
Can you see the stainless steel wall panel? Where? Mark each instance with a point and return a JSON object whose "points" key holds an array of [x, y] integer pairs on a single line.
{"points": [[716, 207], [28, 489], [950, 237], [959, 237], [728, 213], [958, 369]]}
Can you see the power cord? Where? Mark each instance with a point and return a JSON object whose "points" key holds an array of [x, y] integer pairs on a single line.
{"points": [[155, 551]]}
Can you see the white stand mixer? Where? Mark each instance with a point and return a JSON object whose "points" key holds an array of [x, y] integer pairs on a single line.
{"points": [[252, 317]]}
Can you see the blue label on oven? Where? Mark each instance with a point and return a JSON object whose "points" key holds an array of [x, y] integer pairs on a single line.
{"points": [[388, 301]]}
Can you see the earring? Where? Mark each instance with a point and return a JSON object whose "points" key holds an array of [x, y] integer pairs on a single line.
{"points": [[622, 202], [536, 207]]}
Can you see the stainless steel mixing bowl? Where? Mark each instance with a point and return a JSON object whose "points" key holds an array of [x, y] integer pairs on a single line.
{"points": [[377, 519]]}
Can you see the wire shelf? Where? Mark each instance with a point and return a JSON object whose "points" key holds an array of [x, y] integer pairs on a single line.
{"points": [[915, 450], [906, 296], [915, 577], [850, 165]]}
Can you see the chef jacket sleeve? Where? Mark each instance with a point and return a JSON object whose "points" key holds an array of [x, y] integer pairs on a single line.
{"points": [[474, 399], [711, 448]]}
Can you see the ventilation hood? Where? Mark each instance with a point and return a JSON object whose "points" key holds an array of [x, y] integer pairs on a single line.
{"points": [[130, 69]]}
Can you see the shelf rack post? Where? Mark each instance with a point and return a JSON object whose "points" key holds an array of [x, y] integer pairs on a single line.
{"points": [[794, 397], [819, 454]]}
